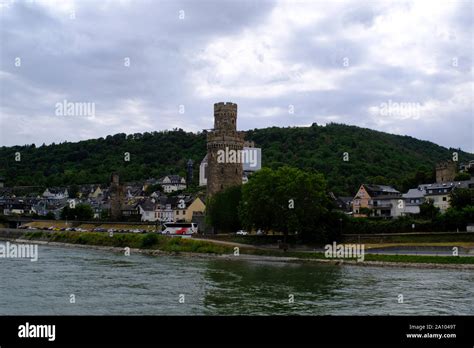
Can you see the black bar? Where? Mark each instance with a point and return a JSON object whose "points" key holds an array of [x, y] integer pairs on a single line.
{"points": [[240, 330]]}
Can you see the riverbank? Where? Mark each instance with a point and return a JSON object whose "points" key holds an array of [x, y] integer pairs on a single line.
{"points": [[153, 244]]}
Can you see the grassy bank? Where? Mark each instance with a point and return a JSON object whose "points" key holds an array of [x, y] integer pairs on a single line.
{"points": [[168, 244], [140, 241]]}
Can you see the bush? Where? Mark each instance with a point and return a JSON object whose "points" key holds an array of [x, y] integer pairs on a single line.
{"points": [[149, 240]]}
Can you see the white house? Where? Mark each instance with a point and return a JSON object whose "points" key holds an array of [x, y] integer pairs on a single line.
{"points": [[203, 172], [55, 193], [172, 183], [413, 199], [147, 210], [164, 213], [439, 193]]}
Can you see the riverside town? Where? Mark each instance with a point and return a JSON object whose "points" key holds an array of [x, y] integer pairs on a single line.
{"points": [[239, 167]]}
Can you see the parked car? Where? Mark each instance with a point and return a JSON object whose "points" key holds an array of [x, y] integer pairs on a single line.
{"points": [[242, 233]]}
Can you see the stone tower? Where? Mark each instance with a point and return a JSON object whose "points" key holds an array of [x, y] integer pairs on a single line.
{"points": [[224, 137], [116, 197], [445, 171]]}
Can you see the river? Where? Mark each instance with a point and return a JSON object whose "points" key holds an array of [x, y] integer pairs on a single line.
{"points": [[104, 282]]}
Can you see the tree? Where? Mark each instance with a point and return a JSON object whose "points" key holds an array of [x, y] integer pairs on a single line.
{"points": [[73, 191], [104, 215], [286, 200], [460, 197], [153, 188], [50, 216], [462, 176], [80, 212], [222, 209], [428, 210]]}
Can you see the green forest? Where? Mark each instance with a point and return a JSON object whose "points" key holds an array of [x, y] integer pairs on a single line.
{"points": [[372, 157]]}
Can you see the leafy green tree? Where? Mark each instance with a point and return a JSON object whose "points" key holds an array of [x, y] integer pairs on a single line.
{"points": [[80, 212], [286, 200], [379, 180], [50, 216], [73, 191], [104, 214], [462, 176], [222, 209], [461, 197], [153, 188], [428, 210]]}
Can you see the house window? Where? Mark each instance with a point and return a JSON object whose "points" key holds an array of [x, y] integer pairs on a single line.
{"points": [[444, 199]]}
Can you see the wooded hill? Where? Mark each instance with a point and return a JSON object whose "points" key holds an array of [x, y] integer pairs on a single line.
{"points": [[373, 157]]}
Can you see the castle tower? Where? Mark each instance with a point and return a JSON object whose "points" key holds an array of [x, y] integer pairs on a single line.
{"points": [[224, 138], [116, 197], [189, 172], [445, 171]]}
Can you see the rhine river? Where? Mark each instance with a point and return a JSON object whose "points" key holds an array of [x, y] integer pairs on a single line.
{"points": [[104, 282]]}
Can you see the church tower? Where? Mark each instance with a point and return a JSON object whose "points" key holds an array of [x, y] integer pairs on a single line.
{"points": [[224, 137]]}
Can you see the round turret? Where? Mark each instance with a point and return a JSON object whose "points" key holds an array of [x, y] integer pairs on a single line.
{"points": [[225, 116]]}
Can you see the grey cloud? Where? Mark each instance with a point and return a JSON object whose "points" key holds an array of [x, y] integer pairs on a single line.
{"points": [[82, 60]]}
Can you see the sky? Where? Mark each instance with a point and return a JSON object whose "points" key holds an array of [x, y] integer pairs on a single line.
{"points": [[403, 67]]}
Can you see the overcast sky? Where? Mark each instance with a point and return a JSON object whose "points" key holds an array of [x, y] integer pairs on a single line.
{"points": [[403, 67]]}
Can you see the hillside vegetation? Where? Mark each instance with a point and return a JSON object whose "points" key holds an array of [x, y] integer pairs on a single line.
{"points": [[374, 157]]}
